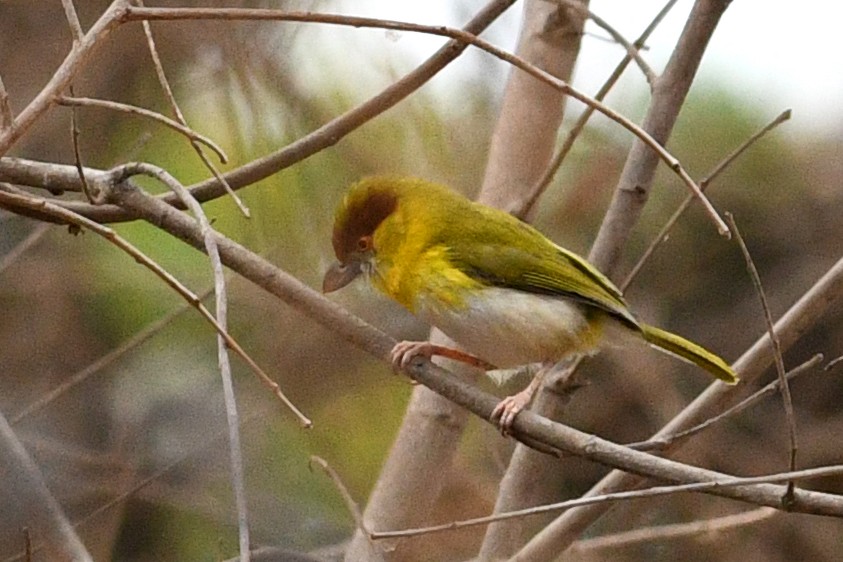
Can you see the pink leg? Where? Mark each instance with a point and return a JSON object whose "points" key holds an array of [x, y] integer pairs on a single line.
{"points": [[404, 352], [509, 407]]}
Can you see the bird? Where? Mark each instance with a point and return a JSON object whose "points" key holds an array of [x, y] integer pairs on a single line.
{"points": [[505, 293]]}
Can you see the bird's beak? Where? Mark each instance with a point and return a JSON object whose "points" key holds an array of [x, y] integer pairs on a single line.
{"points": [[339, 275]]}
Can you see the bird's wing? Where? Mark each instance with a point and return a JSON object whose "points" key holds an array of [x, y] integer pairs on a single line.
{"points": [[550, 271]]}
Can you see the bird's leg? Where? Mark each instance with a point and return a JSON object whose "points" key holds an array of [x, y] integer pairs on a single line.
{"points": [[509, 407], [405, 351]]}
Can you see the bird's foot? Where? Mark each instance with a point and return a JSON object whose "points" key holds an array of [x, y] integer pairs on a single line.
{"points": [[508, 408], [404, 352]]}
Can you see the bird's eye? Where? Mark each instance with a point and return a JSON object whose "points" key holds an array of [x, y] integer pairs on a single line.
{"points": [[364, 244]]}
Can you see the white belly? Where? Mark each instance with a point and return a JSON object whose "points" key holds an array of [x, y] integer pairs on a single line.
{"points": [[510, 328]]}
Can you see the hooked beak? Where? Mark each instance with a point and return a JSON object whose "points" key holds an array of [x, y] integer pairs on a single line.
{"points": [[339, 275]]}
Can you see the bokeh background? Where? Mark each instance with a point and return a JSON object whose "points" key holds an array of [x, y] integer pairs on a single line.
{"points": [[254, 87]]}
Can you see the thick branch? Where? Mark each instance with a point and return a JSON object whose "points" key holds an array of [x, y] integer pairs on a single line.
{"points": [[669, 94]]}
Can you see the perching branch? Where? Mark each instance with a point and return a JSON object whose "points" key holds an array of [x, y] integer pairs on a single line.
{"points": [[567, 439]]}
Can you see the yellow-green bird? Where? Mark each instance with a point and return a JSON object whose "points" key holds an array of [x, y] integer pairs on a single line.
{"points": [[495, 285]]}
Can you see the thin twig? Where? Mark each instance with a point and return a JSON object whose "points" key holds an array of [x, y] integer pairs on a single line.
{"points": [[833, 363], [668, 440], [171, 99], [34, 499], [579, 125], [77, 158], [726, 162], [135, 110], [350, 504], [172, 14], [73, 21], [23, 246], [109, 358], [777, 353], [632, 49], [675, 531], [655, 491], [61, 78], [704, 183], [17, 200], [323, 137], [236, 450], [143, 483]]}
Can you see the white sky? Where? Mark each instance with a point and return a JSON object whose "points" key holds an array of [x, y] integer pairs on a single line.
{"points": [[778, 54]]}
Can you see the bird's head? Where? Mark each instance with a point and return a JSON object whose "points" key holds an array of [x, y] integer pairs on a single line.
{"points": [[363, 210]]}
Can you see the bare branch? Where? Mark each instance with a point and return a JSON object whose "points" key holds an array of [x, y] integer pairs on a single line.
{"points": [[21, 475], [77, 158], [23, 246], [633, 50], [784, 387], [235, 449], [704, 183], [62, 77], [374, 553], [171, 99], [73, 21], [134, 110], [82, 375], [655, 491], [833, 364], [675, 531], [668, 440]]}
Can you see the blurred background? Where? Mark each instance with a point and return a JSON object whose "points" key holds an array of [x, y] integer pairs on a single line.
{"points": [[156, 412]]}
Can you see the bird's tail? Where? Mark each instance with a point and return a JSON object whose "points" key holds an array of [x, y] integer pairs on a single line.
{"points": [[689, 351]]}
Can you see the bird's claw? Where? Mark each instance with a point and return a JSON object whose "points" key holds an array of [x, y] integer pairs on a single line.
{"points": [[404, 352], [507, 409]]}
